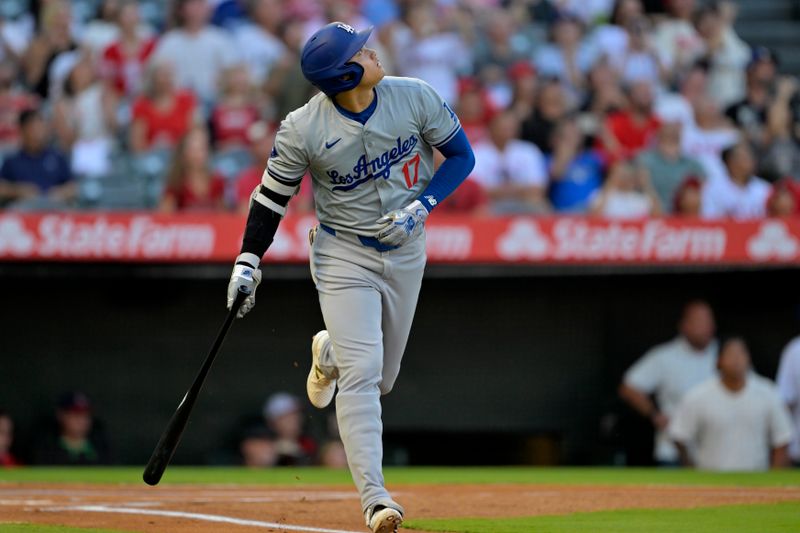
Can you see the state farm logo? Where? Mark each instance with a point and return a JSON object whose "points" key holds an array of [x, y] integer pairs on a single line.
{"points": [[523, 240], [773, 241], [14, 236]]}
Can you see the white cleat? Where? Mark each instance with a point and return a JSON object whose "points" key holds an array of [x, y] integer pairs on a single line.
{"points": [[387, 520], [319, 387]]}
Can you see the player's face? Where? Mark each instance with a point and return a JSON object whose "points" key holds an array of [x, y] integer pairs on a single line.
{"points": [[373, 70]]}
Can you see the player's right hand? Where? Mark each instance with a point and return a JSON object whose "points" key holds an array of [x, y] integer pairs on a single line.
{"points": [[245, 273]]}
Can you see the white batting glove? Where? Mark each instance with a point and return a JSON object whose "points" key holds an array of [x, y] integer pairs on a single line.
{"points": [[402, 225], [247, 273]]}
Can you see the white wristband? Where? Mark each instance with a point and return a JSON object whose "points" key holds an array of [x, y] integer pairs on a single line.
{"points": [[250, 259]]}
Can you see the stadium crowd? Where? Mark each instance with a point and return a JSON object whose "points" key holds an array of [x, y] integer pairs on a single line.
{"points": [[600, 107]]}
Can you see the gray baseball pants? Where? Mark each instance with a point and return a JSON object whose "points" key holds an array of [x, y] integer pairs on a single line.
{"points": [[368, 300]]}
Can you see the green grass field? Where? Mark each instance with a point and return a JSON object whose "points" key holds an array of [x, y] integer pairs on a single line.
{"points": [[766, 518]]}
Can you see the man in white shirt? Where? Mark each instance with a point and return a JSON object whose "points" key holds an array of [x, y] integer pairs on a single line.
{"points": [[789, 388], [512, 171], [741, 195], [669, 370], [199, 51], [733, 422], [257, 42]]}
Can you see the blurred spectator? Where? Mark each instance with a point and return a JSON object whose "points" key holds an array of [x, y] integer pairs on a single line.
{"points": [[734, 422], [13, 100], [123, 62], [611, 40], [784, 201], [781, 153], [260, 138], [424, 51], [286, 85], [576, 172], [7, 459], [626, 194], [77, 440], [688, 201], [36, 169], [676, 38], [750, 113], [551, 106], [468, 199], [669, 370], [741, 195], [641, 61], [191, 185], [511, 171], [14, 38], [102, 29], [666, 164], [708, 136], [210, 49], [626, 133], [53, 39], [258, 40], [235, 111], [257, 447], [84, 119], [788, 381], [524, 81], [163, 114], [605, 95], [727, 55], [474, 109], [284, 416], [331, 453], [568, 57]]}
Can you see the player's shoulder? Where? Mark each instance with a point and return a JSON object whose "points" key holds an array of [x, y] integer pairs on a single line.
{"points": [[308, 114], [400, 84]]}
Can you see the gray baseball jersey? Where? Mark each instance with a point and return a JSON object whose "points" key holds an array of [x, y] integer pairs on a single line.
{"points": [[361, 172]]}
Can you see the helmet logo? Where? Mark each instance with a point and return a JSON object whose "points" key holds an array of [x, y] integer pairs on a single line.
{"points": [[345, 27]]}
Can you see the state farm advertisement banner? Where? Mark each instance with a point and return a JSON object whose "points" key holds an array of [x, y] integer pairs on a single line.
{"points": [[213, 238]]}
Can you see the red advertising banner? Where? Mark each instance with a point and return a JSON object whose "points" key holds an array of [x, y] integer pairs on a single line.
{"points": [[213, 238]]}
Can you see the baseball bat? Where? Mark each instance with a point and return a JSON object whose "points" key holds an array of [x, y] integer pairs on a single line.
{"points": [[171, 436]]}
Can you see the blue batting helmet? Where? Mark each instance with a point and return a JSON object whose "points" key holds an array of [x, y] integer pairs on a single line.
{"points": [[325, 58]]}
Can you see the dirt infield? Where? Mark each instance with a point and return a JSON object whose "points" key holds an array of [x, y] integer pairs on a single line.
{"points": [[332, 509]]}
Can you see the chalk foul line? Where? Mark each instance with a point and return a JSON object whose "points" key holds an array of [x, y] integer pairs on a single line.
{"points": [[199, 516]]}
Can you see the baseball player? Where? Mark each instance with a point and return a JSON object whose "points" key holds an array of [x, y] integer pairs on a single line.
{"points": [[368, 141]]}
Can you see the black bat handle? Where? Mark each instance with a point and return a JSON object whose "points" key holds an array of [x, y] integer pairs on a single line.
{"points": [[171, 436]]}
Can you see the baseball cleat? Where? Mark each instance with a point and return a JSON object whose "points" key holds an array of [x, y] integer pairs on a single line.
{"points": [[385, 520], [320, 388]]}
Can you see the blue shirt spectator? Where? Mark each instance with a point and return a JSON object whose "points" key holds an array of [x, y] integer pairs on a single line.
{"points": [[576, 173], [36, 169]]}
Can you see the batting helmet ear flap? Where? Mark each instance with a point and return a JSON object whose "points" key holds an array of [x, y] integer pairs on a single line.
{"points": [[325, 58]]}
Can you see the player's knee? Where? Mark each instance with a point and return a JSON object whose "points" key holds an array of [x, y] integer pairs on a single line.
{"points": [[361, 375]]}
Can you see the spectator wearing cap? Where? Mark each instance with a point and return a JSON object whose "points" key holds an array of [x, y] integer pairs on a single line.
{"points": [[626, 133], [284, 416], [36, 170], [575, 171], [257, 447], [666, 164], [669, 371], [77, 439], [210, 49], [7, 459], [734, 422], [788, 381], [568, 57], [750, 113], [511, 171], [740, 195], [688, 201]]}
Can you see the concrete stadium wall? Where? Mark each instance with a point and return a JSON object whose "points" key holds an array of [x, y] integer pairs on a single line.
{"points": [[489, 359]]}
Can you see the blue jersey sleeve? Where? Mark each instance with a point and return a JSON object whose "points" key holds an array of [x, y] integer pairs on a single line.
{"points": [[453, 171]]}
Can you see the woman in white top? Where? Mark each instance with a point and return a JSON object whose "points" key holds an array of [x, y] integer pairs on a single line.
{"points": [[626, 194]]}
